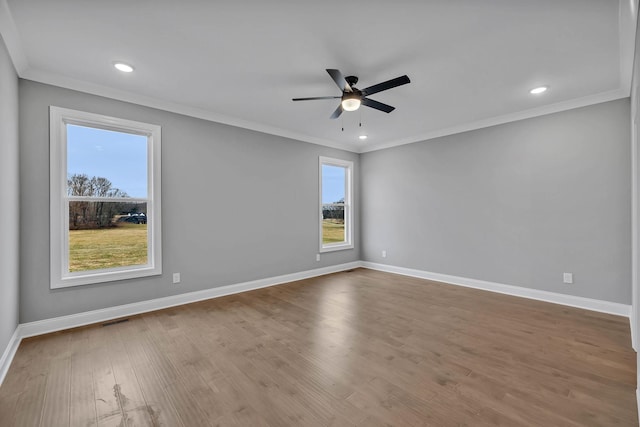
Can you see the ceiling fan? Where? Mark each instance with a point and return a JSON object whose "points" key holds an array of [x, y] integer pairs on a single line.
{"points": [[353, 97]]}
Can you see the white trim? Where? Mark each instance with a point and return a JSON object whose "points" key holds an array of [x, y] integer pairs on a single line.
{"points": [[9, 32], [638, 399], [95, 89], [11, 39], [61, 277], [58, 80], [553, 297], [348, 204], [632, 329], [80, 319], [627, 23], [46, 326], [571, 104], [55, 324], [635, 177], [9, 353]]}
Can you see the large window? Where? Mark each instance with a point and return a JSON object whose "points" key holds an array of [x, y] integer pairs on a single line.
{"points": [[336, 222], [105, 198]]}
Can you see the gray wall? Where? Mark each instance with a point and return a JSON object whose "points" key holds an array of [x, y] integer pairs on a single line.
{"points": [[9, 214], [518, 204], [237, 205]]}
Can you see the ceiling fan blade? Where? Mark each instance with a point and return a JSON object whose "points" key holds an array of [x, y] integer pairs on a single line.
{"points": [[377, 105], [315, 97], [337, 77], [398, 81], [337, 113]]}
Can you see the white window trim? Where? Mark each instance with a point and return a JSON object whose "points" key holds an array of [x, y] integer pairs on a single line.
{"points": [[59, 217], [348, 204]]}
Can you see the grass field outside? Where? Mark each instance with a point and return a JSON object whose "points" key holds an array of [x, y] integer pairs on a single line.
{"points": [[126, 245], [332, 231], [120, 246]]}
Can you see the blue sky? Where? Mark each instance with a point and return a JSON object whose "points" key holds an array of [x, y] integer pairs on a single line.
{"points": [[122, 159], [332, 183], [119, 157]]}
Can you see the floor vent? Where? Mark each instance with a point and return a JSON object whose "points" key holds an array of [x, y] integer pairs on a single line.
{"points": [[115, 322]]}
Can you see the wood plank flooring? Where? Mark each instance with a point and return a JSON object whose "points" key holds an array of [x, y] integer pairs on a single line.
{"points": [[360, 348]]}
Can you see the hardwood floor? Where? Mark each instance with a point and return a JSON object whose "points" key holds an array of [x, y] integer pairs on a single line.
{"points": [[355, 348]]}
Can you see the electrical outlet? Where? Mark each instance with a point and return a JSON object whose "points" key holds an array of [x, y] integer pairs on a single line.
{"points": [[317, 257], [567, 277], [176, 277], [384, 254]]}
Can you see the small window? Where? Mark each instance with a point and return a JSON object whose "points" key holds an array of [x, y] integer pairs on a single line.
{"points": [[336, 222], [105, 198]]}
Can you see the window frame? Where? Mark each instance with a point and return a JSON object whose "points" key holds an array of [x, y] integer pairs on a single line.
{"points": [[348, 204], [59, 118]]}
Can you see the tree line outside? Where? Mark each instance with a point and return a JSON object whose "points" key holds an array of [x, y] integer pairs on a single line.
{"points": [[99, 238], [97, 214]]}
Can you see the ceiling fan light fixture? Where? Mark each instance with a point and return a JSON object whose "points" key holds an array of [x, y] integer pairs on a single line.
{"points": [[350, 102], [363, 137]]}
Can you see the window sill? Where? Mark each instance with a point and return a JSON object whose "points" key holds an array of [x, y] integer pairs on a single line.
{"points": [[105, 276], [336, 247]]}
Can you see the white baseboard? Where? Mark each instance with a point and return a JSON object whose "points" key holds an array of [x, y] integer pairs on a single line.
{"points": [[66, 322], [9, 353], [632, 327], [638, 400], [96, 316], [46, 326], [553, 297]]}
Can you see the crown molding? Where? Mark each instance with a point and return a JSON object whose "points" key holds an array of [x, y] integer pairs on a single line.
{"points": [[628, 11], [627, 26], [54, 79], [9, 33], [11, 37], [506, 118], [152, 102]]}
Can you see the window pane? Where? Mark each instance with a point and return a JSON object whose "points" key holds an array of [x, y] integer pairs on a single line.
{"points": [[333, 184], [333, 230], [107, 235], [103, 163]]}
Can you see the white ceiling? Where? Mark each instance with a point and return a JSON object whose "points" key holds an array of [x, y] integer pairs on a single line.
{"points": [[471, 63]]}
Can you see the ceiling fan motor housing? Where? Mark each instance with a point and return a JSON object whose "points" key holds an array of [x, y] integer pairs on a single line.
{"points": [[352, 80], [356, 94]]}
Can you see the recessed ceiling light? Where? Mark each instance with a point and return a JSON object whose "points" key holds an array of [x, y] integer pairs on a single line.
{"points": [[125, 68], [538, 90], [363, 137]]}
